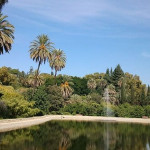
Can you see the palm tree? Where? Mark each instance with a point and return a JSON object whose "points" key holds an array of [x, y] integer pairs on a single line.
{"points": [[6, 34], [35, 80], [40, 50], [66, 88], [91, 84], [58, 60], [2, 3]]}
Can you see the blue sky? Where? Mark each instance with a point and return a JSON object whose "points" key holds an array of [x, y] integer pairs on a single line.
{"points": [[95, 34]]}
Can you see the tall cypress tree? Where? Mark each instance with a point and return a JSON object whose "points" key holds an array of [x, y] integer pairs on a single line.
{"points": [[143, 97], [111, 72], [117, 74], [148, 96], [107, 76], [123, 94], [148, 91], [107, 72], [132, 98]]}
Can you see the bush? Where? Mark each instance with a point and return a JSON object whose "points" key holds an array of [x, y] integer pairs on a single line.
{"points": [[137, 112], [75, 98], [55, 98], [123, 110], [17, 106], [3, 109], [66, 113], [147, 110], [130, 111], [96, 97], [41, 99], [91, 109]]}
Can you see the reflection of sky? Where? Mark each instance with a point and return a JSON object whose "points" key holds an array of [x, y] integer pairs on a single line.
{"points": [[147, 146]]}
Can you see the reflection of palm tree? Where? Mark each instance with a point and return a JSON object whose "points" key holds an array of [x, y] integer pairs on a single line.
{"points": [[91, 146], [64, 143]]}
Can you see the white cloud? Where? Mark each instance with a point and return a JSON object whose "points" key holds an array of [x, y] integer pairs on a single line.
{"points": [[78, 11], [63, 11]]}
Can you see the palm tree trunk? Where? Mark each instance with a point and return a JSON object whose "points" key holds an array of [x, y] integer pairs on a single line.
{"points": [[52, 73], [36, 75], [55, 75], [38, 67]]}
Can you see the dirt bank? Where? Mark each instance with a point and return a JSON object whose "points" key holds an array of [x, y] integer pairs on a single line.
{"points": [[12, 124]]}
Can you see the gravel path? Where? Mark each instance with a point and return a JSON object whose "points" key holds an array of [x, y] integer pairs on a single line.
{"points": [[12, 124]]}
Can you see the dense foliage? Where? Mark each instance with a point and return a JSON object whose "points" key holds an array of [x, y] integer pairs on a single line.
{"points": [[62, 94], [13, 104]]}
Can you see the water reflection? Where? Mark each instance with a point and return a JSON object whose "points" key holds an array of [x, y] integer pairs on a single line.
{"points": [[59, 135]]}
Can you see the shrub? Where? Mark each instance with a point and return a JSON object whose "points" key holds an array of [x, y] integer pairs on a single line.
{"points": [[137, 112], [40, 97], [130, 111], [55, 98], [3, 109], [90, 109], [96, 97], [123, 110], [66, 113], [17, 106], [147, 110]]}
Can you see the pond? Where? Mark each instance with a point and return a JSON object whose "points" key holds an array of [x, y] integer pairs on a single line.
{"points": [[71, 135]]}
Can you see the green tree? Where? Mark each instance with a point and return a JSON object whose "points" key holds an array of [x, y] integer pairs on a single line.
{"points": [[91, 84], [132, 97], [40, 97], [6, 35], [148, 96], [117, 74], [35, 80], [133, 87], [113, 95], [143, 97], [40, 50], [3, 109], [55, 98], [58, 60], [5, 77], [80, 86], [16, 105], [123, 94], [66, 90], [107, 76]]}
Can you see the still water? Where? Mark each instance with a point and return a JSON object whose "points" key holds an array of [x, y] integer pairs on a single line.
{"points": [[70, 135]]}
